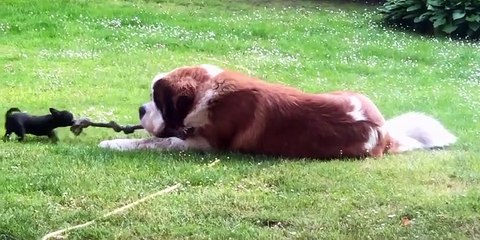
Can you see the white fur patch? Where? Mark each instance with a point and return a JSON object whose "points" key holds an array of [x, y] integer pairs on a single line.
{"points": [[154, 143], [406, 143], [152, 121], [143, 144], [415, 130], [357, 112], [198, 117], [372, 140], [212, 70]]}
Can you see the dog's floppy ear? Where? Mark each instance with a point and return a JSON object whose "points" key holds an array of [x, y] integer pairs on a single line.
{"points": [[163, 99], [183, 105], [174, 100], [53, 111]]}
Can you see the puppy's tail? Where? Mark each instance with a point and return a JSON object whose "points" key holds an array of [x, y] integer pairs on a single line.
{"points": [[415, 130], [11, 110]]}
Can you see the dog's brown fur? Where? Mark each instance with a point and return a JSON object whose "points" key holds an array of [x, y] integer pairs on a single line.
{"points": [[252, 116]]}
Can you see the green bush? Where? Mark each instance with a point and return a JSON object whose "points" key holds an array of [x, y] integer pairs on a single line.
{"points": [[454, 18]]}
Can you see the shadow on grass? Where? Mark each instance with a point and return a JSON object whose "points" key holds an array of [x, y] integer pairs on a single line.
{"points": [[205, 157], [7, 236], [92, 152], [32, 140]]}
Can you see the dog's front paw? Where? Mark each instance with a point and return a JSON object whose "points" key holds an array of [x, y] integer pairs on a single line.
{"points": [[158, 144], [106, 144], [174, 143], [118, 144]]}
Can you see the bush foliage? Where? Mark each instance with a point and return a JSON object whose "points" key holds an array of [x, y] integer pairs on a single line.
{"points": [[454, 18]]}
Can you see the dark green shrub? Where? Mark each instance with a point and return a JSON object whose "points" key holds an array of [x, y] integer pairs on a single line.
{"points": [[455, 18]]}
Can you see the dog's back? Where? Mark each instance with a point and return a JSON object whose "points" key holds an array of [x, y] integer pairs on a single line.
{"points": [[37, 125]]}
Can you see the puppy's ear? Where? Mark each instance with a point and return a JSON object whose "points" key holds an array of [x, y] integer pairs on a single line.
{"points": [[53, 111]]}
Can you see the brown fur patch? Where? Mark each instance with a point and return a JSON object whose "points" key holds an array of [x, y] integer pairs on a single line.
{"points": [[253, 116]]}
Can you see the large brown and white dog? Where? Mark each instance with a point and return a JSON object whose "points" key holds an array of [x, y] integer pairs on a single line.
{"points": [[208, 108]]}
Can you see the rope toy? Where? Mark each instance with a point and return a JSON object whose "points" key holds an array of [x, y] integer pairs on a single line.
{"points": [[82, 123]]}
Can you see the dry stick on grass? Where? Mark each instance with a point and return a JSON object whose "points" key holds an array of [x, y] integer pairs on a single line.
{"points": [[214, 163], [77, 129], [115, 211]]}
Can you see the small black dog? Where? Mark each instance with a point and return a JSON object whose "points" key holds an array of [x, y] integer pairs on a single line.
{"points": [[22, 123]]}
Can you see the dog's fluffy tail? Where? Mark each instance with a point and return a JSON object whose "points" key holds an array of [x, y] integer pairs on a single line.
{"points": [[415, 130], [11, 110]]}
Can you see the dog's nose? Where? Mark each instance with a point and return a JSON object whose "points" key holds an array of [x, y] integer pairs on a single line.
{"points": [[141, 112]]}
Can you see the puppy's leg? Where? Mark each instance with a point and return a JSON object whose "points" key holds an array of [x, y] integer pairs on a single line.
{"points": [[53, 136], [7, 135], [8, 129], [20, 132]]}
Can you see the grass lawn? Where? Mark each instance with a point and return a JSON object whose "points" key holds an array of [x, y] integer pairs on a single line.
{"points": [[97, 58]]}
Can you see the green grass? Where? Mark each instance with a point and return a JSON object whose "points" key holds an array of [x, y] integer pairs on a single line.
{"points": [[97, 58]]}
